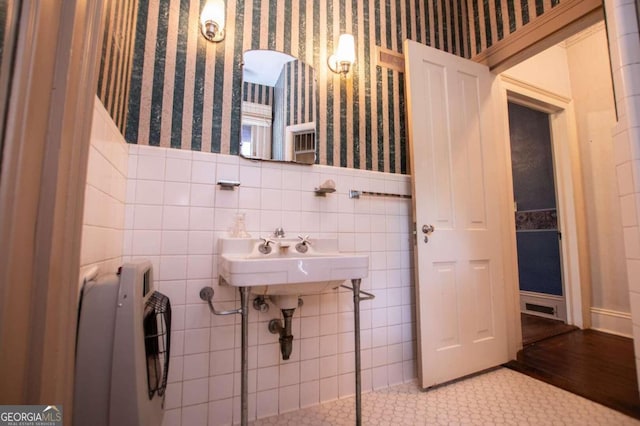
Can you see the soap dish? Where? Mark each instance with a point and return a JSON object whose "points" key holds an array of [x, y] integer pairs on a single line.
{"points": [[327, 187], [322, 192]]}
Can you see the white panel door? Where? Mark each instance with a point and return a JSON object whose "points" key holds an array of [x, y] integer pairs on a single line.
{"points": [[459, 276]]}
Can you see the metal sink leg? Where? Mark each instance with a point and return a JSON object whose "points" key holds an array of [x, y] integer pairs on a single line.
{"points": [[244, 360], [357, 298], [206, 294]]}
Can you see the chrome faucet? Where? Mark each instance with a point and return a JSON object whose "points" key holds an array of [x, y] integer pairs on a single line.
{"points": [[278, 233]]}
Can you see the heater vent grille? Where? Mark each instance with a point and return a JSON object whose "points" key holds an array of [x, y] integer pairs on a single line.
{"points": [[549, 310]]}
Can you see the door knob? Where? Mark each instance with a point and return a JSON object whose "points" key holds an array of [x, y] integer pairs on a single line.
{"points": [[427, 229]]}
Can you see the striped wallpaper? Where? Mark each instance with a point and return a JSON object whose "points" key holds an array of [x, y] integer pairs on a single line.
{"points": [[186, 92], [299, 93], [295, 102], [116, 58], [494, 20], [4, 6], [257, 93]]}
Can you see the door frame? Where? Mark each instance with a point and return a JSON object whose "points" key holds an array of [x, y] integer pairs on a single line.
{"points": [[42, 186], [571, 217]]}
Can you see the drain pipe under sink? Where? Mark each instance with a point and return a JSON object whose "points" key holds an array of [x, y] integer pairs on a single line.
{"points": [[288, 305], [286, 338]]}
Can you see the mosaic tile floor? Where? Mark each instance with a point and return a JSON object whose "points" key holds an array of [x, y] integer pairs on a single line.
{"points": [[498, 397]]}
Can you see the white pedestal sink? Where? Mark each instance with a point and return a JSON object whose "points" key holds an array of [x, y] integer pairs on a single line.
{"points": [[283, 274], [284, 271]]}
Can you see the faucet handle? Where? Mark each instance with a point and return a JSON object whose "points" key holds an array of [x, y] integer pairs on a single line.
{"points": [[303, 245], [304, 240], [266, 241], [265, 248]]}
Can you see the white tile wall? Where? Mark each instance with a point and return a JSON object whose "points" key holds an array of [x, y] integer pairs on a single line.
{"points": [[104, 218], [624, 42], [175, 214]]}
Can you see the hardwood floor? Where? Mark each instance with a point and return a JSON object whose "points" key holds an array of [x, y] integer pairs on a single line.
{"points": [[592, 364], [535, 328]]}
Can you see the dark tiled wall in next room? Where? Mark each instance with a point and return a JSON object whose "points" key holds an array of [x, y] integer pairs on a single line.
{"points": [[534, 192]]}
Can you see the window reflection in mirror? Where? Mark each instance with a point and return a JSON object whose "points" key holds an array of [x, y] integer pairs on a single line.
{"points": [[278, 108]]}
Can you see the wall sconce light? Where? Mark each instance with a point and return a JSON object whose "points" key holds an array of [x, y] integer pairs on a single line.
{"points": [[212, 20], [345, 55]]}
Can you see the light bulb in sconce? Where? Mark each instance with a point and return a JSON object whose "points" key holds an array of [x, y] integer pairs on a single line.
{"points": [[212, 20], [345, 55]]}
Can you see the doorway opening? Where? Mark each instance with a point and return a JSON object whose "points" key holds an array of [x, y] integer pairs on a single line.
{"points": [[570, 84], [546, 201], [537, 232], [538, 235]]}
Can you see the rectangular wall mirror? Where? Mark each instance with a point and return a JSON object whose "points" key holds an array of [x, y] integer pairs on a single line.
{"points": [[278, 108]]}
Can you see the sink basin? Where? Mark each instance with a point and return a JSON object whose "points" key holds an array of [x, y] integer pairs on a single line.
{"points": [[284, 271]]}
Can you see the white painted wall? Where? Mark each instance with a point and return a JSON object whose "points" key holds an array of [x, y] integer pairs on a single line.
{"points": [[547, 70], [592, 92]]}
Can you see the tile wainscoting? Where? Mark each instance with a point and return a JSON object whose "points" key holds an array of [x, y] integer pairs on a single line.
{"points": [[174, 215], [105, 191]]}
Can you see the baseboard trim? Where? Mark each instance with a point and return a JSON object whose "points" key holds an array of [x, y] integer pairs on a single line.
{"points": [[610, 321], [556, 303]]}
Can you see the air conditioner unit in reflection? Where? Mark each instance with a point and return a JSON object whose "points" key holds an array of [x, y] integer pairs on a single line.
{"points": [[300, 140]]}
